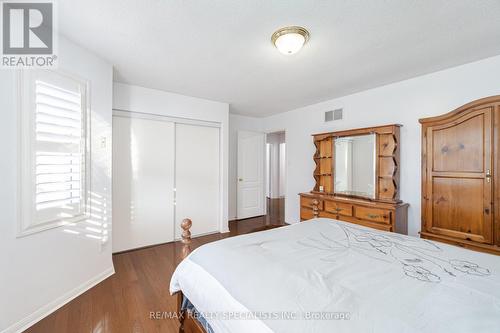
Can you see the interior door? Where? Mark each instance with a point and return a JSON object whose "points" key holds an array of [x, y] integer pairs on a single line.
{"points": [[197, 178], [460, 190], [250, 182], [143, 182]]}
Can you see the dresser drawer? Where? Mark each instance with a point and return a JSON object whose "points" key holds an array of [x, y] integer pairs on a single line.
{"points": [[373, 214], [339, 208], [328, 215], [306, 213], [308, 202], [366, 223]]}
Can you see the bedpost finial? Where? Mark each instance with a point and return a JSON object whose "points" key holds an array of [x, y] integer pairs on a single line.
{"points": [[186, 234]]}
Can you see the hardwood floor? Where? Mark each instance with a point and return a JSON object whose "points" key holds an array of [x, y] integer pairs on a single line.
{"points": [[123, 302]]}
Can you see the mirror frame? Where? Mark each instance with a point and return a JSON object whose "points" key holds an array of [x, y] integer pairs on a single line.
{"points": [[387, 147]]}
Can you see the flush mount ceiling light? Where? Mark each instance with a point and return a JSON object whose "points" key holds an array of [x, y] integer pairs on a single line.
{"points": [[289, 40]]}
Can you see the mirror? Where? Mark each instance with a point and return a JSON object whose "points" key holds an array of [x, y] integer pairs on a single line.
{"points": [[355, 165]]}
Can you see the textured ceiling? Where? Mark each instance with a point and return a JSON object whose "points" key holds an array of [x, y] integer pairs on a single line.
{"points": [[221, 49]]}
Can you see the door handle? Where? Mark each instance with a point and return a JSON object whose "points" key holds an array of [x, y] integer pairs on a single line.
{"points": [[488, 176], [240, 179]]}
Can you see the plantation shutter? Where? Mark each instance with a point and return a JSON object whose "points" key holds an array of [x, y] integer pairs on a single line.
{"points": [[59, 148]]}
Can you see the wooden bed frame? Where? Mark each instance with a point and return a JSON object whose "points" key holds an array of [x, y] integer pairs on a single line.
{"points": [[188, 324]]}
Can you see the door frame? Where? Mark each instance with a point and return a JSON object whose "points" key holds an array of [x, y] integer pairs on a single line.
{"points": [[282, 130], [221, 223]]}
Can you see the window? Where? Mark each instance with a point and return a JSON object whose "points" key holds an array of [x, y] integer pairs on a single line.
{"points": [[53, 152]]}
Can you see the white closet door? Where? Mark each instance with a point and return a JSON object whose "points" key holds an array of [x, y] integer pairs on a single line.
{"points": [[197, 178], [143, 182]]}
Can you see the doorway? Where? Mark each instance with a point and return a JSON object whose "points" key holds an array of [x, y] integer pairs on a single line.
{"points": [[276, 174]]}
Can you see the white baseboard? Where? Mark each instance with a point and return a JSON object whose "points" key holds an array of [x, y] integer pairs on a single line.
{"points": [[46, 310]]}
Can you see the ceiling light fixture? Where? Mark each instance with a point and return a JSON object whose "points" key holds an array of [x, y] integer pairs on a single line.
{"points": [[289, 40]]}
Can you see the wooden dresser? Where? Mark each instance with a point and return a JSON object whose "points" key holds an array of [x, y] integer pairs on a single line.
{"points": [[460, 182], [383, 210]]}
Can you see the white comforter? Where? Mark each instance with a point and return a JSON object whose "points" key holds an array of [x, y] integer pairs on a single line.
{"points": [[355, 279]]}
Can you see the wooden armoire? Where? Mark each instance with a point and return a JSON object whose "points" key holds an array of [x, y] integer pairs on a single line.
{"points": [[460, 187]]}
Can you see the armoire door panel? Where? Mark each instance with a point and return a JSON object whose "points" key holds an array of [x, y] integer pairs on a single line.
{"points": [[460, 187], [460, 147], [458, 184], [459, 210]]}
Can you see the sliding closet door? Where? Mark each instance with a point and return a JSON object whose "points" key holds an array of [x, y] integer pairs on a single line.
{"points": [[143, 182], [197, 178]]}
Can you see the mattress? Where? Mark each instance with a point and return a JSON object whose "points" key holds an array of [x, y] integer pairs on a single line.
{"points": [[330, 276]]}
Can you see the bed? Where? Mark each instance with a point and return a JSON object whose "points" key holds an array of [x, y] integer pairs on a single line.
{"points": [[326, 275]]}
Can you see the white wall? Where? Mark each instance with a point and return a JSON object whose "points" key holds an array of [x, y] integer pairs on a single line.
{"points": [[403, 102], [237, 123], [138, 99], [42, 271]]}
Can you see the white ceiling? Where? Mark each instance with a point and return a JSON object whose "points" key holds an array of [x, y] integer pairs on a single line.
{"points": [[221, 49]]}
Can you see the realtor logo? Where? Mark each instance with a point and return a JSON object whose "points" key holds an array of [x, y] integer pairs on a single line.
{"points": [[28, 34]]}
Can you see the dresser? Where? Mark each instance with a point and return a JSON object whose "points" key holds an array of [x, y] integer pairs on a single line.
{"points": [[377, 215], [357, 179]]}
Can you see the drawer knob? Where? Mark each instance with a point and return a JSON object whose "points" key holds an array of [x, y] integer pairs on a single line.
{"points": [[373, 216]]}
